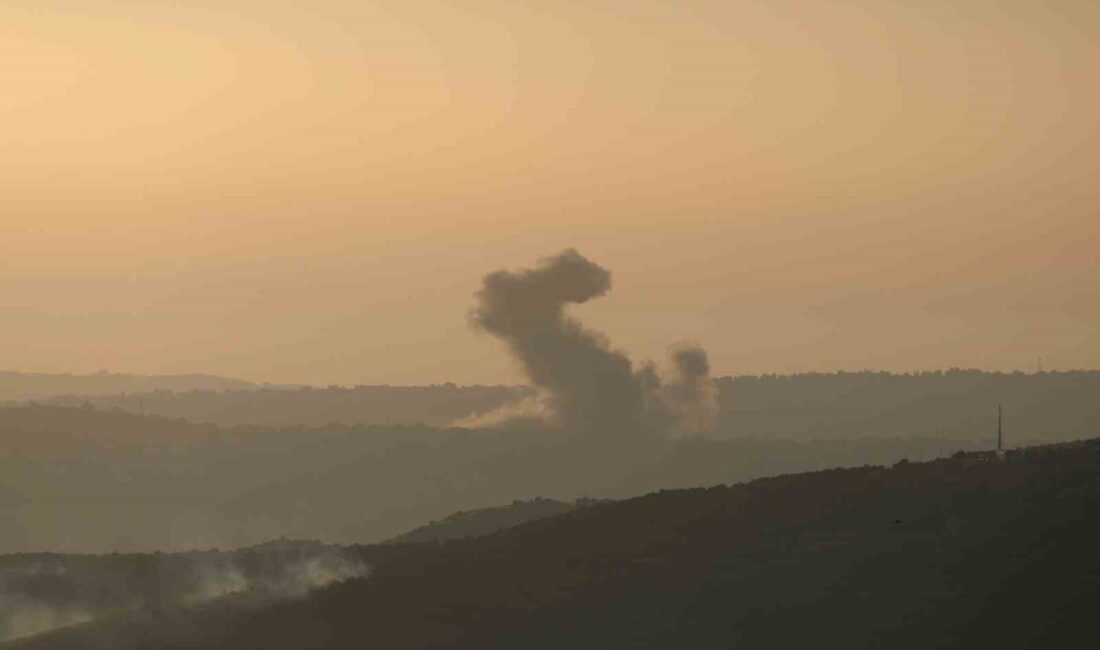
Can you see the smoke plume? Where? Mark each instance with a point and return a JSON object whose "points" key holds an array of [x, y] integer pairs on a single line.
{"points": [[692, 396], [584, 385]]}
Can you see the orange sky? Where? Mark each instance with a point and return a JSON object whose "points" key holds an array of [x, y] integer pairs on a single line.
{"points": [[311, 192]]}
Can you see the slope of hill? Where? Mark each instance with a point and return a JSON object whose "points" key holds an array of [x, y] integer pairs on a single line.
{"points": [[970, 551], [472, 523], [18, 386], [66, 473]]}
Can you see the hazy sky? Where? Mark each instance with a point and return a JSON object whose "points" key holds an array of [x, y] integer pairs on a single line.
{"points": [[311, 191]]}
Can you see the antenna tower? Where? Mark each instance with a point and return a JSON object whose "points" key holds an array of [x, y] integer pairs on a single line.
{"points": [[1000, 437]]}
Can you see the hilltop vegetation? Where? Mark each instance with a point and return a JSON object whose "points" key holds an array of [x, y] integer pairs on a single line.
{"points": [[963, 552], [436, 405], [16, 386], [955, 404]]}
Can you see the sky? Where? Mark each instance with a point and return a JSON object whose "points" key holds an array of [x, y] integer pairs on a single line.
{"points": [[311, 192]]}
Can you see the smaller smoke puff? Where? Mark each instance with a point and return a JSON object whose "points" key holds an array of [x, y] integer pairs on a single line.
{"points": [[692, 396], [692, 364], [584, 385]]}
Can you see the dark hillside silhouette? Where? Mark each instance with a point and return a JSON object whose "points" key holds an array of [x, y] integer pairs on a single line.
{"points": [[964, 552]]}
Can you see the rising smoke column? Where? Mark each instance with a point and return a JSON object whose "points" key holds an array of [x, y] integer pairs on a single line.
{"points": [[584, 385], [587, 386]]}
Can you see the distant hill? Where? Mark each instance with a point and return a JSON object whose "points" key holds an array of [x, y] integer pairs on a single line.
{"points": [[970, 551], [17, 386], [436, 405], [66, 473], [953, 404]]}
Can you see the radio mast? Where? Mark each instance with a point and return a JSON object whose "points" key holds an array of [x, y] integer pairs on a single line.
{"points": [[1000, 433]]}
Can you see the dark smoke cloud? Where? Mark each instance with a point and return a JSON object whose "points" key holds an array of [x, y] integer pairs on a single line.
{"points": [[692, 364], [584, 385]]}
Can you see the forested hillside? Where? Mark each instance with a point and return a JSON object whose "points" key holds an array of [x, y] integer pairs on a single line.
{"points": [[972, 551]]}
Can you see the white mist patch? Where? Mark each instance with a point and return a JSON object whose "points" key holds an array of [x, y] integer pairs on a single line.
{"points": [[215, 580], [291, 579], [299, 578], [45, 569], [21, 617], [178, 581], [534, 410]]}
